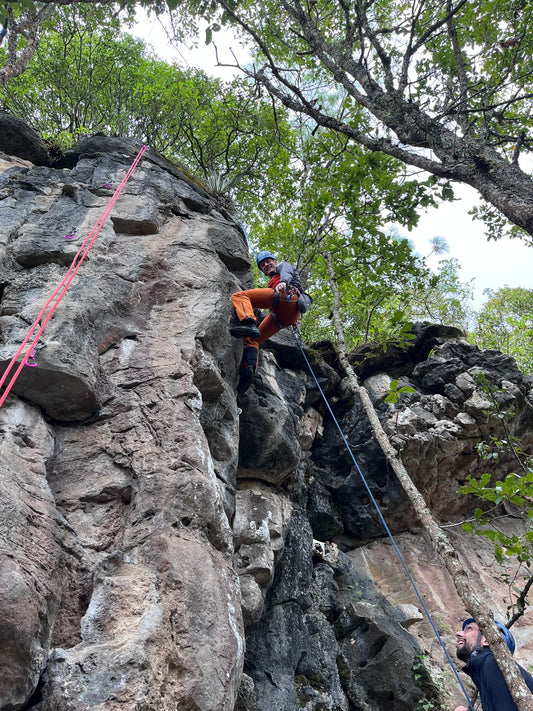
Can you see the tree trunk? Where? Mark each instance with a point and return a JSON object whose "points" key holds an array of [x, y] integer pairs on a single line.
{"points": [[443, 546], [27, 26]]}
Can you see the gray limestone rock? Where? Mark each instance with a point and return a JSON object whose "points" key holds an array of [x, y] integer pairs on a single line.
{"points": [[130, 571]]}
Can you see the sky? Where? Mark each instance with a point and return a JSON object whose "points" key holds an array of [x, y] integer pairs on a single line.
{"points": [[491, 264]]}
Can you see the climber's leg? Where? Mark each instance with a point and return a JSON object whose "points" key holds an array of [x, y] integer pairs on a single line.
{"points": [[244, 303], [248, 367]]}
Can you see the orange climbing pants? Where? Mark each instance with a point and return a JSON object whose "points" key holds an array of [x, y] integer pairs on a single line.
{"points": [[284, 314]]}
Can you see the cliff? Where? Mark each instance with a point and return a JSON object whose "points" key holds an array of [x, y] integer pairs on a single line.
{"points": [[167, 546]]}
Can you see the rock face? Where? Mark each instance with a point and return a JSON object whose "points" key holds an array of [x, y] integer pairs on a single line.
{"points": [[166, 546], [117, 560]]}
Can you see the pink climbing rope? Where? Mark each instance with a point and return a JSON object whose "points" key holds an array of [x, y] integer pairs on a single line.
{"points": [[64, 284]]}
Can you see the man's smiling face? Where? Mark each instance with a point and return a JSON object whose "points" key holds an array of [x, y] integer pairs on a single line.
{"points": [[268, 266], [467, 640]]}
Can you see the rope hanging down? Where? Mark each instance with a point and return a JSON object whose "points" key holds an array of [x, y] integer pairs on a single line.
{"points": [[64, 284], [297, 338]]}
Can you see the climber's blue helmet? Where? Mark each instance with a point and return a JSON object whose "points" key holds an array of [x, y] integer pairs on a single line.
{"points": [[264, 255], [506, 634]]}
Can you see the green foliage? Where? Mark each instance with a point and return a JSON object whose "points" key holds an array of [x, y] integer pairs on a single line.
{"points": [[444, 88], [423, 679], [440, 622], [87, 77], [505, 323], [496, 225], [444, 298], [516, 489], [374, 275], [299, 190], [420, 671], [338, 198], [427, 705], [395, 392]]}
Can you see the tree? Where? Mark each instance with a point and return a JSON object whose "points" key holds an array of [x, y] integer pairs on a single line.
{"points": [[341, 199], [298, 190], [87, 78], [443, 86], [505, 323], [79, 80], [375, 275], [23, 23], [444, 298], [20, 30]]}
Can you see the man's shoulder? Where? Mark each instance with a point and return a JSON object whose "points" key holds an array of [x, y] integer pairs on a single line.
{"points": [[285, 268], [486, 656]]}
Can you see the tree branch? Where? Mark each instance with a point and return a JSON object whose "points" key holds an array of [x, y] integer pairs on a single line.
{"points": [[521, 603], [460, 67]]}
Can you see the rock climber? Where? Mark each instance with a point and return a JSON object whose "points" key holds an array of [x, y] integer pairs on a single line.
{"points": [[282, 296], [473, 648]]}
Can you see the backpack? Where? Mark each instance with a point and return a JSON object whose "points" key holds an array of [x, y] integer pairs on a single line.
{"points": [[304, 303]]}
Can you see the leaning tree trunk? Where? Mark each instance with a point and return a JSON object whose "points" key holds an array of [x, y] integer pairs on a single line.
{"points": [[443, 546]]}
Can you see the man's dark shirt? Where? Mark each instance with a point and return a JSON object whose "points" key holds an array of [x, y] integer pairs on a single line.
{"points": [[486, 675]]}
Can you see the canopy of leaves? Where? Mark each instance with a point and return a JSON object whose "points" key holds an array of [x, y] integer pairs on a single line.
{"points": [[87, 78], [342, 200], [444, 298], [445, 87], [505, 323], [299, 190], [22, 23], [302, 190]]}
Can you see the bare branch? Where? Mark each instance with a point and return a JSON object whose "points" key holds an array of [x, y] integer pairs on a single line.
{"points": [[460, 66], [521, 603]]}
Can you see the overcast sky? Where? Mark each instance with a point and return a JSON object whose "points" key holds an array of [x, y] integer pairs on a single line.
{"points": [[490, 264]]}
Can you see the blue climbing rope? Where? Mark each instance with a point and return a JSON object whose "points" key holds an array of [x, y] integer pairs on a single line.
{"points": [[297, 338]]}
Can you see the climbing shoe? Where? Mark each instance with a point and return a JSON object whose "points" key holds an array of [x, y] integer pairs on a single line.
{"points": [[246, 378], [246, 329]]}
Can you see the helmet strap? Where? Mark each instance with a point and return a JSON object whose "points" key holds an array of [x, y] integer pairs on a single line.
{"points": [[478, 648]]}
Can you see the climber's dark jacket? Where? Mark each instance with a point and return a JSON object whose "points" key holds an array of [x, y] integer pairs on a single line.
{"points": [[486, 675], [287, 273]]}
